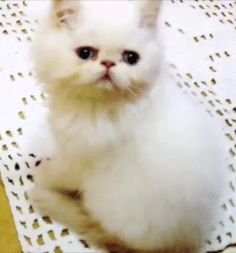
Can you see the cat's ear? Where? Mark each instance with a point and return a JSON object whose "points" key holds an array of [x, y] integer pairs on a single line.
{"points": [[149, 11], [65, 12]]}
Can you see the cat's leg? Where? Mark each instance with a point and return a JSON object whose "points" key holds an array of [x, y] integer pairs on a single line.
{"points": [[56, 204], [55, 175], [69, 211]]}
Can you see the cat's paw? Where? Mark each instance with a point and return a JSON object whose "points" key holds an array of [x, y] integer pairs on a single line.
{"points": [[42, 200], [48, 175], [41, 175]]}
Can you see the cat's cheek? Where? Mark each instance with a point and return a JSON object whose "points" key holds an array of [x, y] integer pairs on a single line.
{"points": [[121, 75], [91, 73]]}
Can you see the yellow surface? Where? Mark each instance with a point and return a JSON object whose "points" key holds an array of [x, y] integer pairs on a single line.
{"points": [[8, 237]]}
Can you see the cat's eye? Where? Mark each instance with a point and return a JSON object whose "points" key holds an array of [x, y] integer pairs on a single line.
{"points": [[130, 57], [86, 53]]}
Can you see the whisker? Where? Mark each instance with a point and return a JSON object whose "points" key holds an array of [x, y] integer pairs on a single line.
{"points": [[136, 88], [129, 90]]}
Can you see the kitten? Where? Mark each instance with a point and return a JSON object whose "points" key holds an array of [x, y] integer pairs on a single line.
{"points": [[138, 164]]}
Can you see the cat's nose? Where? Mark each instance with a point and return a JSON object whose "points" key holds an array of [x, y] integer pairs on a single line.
{"points": [[108, 64]]}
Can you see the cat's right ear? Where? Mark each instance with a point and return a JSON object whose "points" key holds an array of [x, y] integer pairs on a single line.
{"points": [[65, 12], [149, 12]]}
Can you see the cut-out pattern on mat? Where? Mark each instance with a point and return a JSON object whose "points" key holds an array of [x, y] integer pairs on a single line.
{"points": [[200, 39]]}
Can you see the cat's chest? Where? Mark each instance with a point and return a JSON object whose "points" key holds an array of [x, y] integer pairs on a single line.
{"points": [[82, 134]]}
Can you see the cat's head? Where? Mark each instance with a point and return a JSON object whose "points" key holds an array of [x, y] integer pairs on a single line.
{"points": [[99, 49]]}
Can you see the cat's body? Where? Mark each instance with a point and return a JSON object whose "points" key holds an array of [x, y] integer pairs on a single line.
{"points": [[147, 162]]}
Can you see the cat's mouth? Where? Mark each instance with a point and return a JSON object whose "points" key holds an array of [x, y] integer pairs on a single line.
{"points": [[107, 80]]}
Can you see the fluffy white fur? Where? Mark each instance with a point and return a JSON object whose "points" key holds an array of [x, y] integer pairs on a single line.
{"points": [[146, 157]]}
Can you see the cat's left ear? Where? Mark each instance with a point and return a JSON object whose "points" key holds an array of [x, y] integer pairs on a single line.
{"points": [[149, 13], [65, 12]]}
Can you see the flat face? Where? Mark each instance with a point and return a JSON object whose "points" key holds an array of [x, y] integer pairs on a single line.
{"points": [[91, 35]]}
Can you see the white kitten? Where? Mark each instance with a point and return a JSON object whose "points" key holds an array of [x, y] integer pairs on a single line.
{"points": [[144, 158]]}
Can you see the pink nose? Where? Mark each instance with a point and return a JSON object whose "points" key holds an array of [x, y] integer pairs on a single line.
{"points": [[108, 64]]}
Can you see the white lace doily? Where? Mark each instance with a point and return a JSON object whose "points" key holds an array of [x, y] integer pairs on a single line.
{"points": [[200, 38]]}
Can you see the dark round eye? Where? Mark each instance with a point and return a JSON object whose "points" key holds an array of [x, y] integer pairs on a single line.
{"points": [[86, 53], [130, 57]]}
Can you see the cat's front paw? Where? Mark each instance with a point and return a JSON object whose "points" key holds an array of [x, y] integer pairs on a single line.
{"points": [[42, 200], [42, 175], [49, 175]]}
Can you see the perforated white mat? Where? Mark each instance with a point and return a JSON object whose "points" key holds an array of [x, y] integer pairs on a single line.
{"points": [[200, 37]]}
